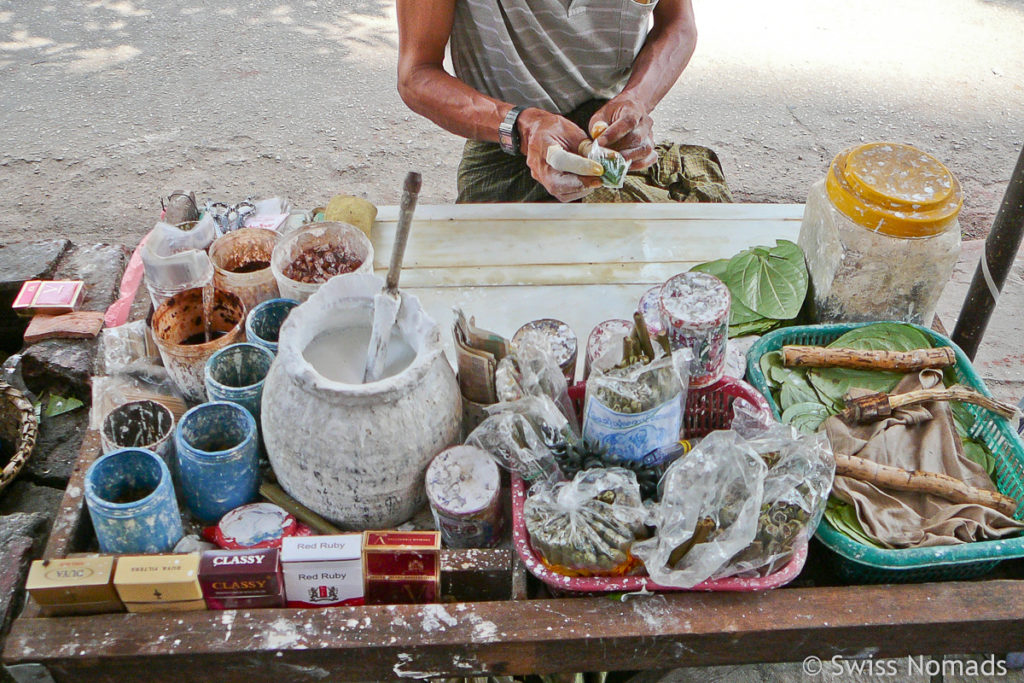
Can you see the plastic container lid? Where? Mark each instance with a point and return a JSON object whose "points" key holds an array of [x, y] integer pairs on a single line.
{"points": [[894, 189]]}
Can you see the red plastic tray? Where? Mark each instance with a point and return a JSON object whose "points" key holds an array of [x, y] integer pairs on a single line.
{"points": [[707, 409]]}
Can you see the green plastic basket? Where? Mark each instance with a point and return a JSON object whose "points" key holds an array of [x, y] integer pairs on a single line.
{"points": [[857, 563]]}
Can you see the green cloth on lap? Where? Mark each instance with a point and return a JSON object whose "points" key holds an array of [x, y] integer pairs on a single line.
{"points": [[682, 173]]}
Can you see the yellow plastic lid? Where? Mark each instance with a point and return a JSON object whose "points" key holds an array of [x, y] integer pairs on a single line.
{"points": [[894, 189]]}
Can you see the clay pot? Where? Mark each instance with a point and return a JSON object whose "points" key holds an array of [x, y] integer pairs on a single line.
{"points": [[357, 453]]}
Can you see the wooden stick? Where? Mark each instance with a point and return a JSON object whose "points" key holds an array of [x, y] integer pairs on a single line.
{"points": [[275, 494], [902, 361], [878, 406], [942, 485]]}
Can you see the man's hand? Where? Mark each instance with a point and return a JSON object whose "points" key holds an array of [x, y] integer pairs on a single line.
{"points": [[539, 130], [630, 131]]}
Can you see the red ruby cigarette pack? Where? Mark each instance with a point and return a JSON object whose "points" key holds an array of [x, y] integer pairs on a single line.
{"points": [[322, 571], [48, 296], [401, 566], [240, 579]]}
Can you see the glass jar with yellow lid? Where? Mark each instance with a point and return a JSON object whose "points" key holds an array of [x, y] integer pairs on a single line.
{"points": [[880, 234]]}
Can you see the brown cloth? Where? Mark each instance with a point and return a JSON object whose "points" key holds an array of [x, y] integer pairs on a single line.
{"points": [[921, 438]]}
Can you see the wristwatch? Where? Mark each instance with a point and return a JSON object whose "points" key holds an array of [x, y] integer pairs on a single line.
{"points": [[508, 133]]}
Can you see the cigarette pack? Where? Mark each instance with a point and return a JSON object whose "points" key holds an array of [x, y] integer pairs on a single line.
{"points": [[74, 586], [321, 571], [157, 583], [401, 566], [48, 296], [240, 579]]}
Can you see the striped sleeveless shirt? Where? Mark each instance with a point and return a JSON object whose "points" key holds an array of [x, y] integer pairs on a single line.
{"points": [[550, 54]]}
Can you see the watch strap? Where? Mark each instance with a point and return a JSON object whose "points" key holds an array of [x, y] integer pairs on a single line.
{"points": [[508, 133]]}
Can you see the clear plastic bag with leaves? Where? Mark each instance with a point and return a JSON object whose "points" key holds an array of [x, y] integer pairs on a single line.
{"points": [[587, 526], [531, 370], [637, 409], [708, 512], [517, 444], [615, 165], [796, 489]]}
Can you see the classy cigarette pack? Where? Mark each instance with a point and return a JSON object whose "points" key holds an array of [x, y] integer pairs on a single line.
{"points": [[401, 566], [320, 571], [48, 296], [80, 585], [240, 579], [159, 583]]}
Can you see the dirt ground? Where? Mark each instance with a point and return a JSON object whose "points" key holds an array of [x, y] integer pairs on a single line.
{"points": [[108, 105]]}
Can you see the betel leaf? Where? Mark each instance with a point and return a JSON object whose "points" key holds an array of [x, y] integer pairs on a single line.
{"points": [[805, 417], [977, 452], [883, 337], [716, 268], [767, 362], [739, 314], [772, 282], [843, 518], [759, 326], [58, 405], [796, 391]]}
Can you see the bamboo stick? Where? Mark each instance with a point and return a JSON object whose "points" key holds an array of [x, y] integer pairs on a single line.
{"points": [[942, 485], [901, 361], [878, 406], [275, 494]]}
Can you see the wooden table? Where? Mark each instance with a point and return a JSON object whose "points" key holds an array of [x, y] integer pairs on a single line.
{"points": [[507, 265]]}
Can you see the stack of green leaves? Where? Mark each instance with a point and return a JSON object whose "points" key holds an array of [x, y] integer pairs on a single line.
{"points": [[768, 286]]}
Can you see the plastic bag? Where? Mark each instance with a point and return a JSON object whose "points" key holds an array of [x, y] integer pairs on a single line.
{"points": [[531, 370], [174, 260], [708, 511], [615, 165], [586, 527], [129, 369], [167, 240], [517, 445], [638, 409], [796, 490]]}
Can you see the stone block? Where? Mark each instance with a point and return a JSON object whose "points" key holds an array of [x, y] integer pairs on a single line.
{"points": [[20, 541], [24, 496], [60, 439], [64, 366], [100, 267], [21, 261]]}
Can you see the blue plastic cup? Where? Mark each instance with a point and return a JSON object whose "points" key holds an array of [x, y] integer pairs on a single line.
{"points": [[218, 458], [131, 502], [236, 374], [263, 324]]}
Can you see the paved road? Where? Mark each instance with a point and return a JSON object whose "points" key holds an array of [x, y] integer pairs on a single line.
{"points": [[108, 104]]}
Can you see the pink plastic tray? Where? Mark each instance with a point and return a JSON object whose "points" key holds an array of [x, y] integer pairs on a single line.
{"points": [[707, 409], [628, 584]]}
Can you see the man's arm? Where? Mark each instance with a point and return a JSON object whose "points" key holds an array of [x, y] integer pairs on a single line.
{"points": [[423, 31], [657, 67]]}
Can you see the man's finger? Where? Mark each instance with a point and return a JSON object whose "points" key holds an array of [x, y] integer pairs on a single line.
{"points": [[614, 133], [567, 162]]}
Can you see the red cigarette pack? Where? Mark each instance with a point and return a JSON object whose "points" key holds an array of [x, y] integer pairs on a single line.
{"points": [[48, 296], [401, 566]]}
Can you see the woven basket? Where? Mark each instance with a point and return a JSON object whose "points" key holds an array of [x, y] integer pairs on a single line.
{"points": [[18, 425]]}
